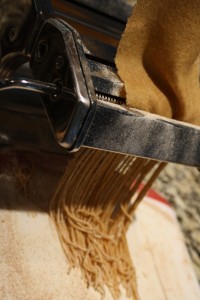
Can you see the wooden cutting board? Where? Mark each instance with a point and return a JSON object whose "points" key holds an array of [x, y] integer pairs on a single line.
{"points": [[163, 265], [33, 266]]}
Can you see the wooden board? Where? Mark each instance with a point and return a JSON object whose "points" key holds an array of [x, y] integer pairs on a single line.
{"points": [[33, 266], [163, 265]]}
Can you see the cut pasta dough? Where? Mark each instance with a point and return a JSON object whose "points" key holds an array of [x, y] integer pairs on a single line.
{"points": [[93, 208], [158, 58]]}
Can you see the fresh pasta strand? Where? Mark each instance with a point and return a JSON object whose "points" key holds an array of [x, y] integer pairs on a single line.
{"points": [[92, 209]]}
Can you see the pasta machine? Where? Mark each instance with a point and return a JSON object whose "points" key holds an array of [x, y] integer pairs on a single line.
{"points": [[59, 72]]}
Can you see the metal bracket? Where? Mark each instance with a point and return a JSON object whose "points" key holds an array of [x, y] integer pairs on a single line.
{"points": [[62, 55]]}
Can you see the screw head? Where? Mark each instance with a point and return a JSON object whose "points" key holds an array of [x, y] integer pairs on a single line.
{"points": [[12, 34], [41, 50], [59, 62], [59, 84]]}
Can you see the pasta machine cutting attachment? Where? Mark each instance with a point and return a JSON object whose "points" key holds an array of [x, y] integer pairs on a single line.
{"points": [[82, 96]]}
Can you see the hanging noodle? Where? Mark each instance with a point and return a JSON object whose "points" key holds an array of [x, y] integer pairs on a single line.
{"points": [[93, 207]]}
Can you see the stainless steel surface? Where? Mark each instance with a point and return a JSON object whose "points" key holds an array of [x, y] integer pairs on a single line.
{"points": [[116, 128], [68, 114], [105, 79], [94, 19], [28, 85], [34, 86], [118, 9], [84, 99]]}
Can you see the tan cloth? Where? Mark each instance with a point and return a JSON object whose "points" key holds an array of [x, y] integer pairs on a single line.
{"points": [[158, 58]]}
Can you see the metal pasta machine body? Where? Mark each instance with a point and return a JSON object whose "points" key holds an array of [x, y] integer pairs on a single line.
{"points": [[60, 91]]}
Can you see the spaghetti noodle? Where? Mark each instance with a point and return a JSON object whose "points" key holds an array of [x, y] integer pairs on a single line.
{"points": [[93, 207]]}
